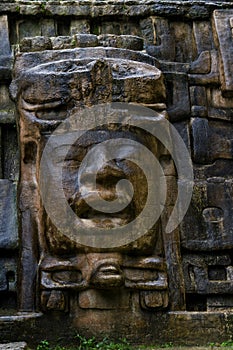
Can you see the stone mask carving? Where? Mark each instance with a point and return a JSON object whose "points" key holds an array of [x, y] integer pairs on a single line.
{"points": [[51, 86]]}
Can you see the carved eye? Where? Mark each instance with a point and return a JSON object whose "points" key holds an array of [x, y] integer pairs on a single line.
{"points": [[64, 277]]}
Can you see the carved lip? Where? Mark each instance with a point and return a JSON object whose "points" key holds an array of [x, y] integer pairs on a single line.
{"points": [[107, 275], [92, 217], [109, 269]]}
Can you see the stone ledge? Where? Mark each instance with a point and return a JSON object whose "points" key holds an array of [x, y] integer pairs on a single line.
{"points": [[188, 9], [14, 346]]}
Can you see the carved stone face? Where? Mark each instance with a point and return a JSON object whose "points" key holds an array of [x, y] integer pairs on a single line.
{"points": [[49, 93], [107, 178], [108, 174]]}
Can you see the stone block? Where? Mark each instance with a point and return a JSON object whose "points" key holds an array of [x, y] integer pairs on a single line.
{"points": [[205, 69], [202, 65], [8, 215], [8, 274], [48, 27], [198, 99], [219, 167], [200, 133], [105, 300], [208, 222], [5, 48], [10, 154], [148, 30], [223, 33], [14, 346], [161, 42], [6, 59], [53, 301], [183, 128], [7, 107], [219, 106], [178, 101], [62, 42], [28, 28], [128, 27], [37, 43], [220, 303], [129, 42], [211, 140], [182, 34], [79, 26], [154, 300], [203, 36], [207, 273], [145, 273], [86, 40]]}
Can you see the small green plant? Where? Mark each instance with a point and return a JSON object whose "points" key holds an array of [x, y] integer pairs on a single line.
{"points": [[167, 345], [227, 343], [86, 343], [105, 344], [44, 345], [211, 345]]}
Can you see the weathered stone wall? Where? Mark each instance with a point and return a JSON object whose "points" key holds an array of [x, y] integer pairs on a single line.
{"points": [[191, 43]]}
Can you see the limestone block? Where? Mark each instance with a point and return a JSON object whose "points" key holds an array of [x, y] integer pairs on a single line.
{"points": [[216, 169], [14, 346], [207, 273], [5, 49], [211, 140], [208, 222], [8, 274], [105, 300], [128, 27], [203, 36], [62, 42], [220, 303], [147, 26], [28, 28], [37, 43], [8, 215], [182, 36], [7, 107], [178, 100], [86, 40], [219, 106], [79, 26], [48, 27], [205, 69], [202, 65], [154, 300], [53, 301], [198, 99], [10, 156], [223, 33], [129, 42], [183, 128], [161, 42]]}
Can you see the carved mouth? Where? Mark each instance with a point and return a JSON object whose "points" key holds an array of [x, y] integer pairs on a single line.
{"points": [[107, 275], [109, 270], [93, 218]]}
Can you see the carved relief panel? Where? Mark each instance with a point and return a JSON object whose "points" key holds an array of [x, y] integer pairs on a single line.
{"points": [[49, 87]]}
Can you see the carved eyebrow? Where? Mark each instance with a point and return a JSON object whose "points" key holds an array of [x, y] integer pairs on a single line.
{"points": [[40, 106]]}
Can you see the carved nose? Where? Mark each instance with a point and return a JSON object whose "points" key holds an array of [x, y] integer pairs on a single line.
{"points": [[110, 173], [106, 179]]}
